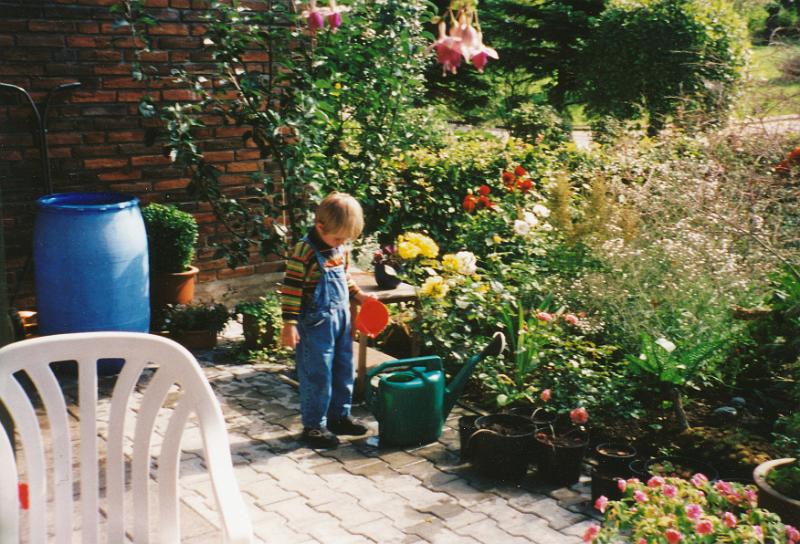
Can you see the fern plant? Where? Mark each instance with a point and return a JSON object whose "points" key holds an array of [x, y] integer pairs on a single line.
{"points": [[676, 367]]}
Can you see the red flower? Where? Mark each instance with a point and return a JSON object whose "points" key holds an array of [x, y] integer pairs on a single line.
{"points": [[484, 190], [525, 185], [794, 155], [470, 201], [520, 171], [485, 202], [579, 416]]}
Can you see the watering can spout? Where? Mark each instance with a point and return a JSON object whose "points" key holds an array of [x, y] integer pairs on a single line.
{"points": [[456, 385]]}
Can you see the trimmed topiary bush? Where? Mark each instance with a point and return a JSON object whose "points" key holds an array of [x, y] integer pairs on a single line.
{"points": [[171, 238]]}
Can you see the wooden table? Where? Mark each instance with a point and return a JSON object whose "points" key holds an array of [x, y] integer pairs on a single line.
{"points": [[402, 293]]}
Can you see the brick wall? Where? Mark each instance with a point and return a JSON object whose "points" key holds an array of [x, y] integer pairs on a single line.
{"points": [[96, 136]]}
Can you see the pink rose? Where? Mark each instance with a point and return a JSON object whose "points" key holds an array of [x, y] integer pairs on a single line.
{"points": [[601, 503], [622, 484], [571, 319], [699, 480], [729, 520], [792, 534], [579, 416], [544, 316], [545, 395], [640, 496], [655, 481], [704, 527], [591, 533], [673, 536], [670, 491], [694, 511]]}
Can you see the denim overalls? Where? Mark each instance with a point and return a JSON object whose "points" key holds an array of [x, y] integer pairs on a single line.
{"points": [[325, 352]]}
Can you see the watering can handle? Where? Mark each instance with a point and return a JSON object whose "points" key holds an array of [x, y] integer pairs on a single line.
{"points": [[405, 363]]}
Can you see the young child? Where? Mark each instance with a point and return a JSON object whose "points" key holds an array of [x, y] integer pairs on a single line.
{"points": [[316, 312]]}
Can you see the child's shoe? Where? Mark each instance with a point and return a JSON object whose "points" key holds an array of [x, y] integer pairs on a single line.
{"points": [[347, 425], [319, 438]]}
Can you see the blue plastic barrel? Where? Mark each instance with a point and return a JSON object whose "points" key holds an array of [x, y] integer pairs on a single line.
{"points": [[92, 270]]}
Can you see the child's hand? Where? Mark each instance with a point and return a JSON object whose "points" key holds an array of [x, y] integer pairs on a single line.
{"points": [[289, 335], [362, 296]]}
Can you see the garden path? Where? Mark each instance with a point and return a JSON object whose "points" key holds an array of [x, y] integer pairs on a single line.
{"points": [[359, 493]]}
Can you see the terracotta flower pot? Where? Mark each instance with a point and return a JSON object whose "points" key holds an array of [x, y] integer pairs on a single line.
{"points": [[176, 288], [771, 499], [202, 339]]}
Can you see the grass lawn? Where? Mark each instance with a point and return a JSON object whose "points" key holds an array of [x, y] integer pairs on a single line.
{"points": [[767, 92]]}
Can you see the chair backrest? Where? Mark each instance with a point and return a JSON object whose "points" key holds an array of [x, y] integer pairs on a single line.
{"points": [[46, 459]]}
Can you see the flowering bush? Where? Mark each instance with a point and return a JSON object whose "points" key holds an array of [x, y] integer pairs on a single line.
{"points": [[689, 511]]}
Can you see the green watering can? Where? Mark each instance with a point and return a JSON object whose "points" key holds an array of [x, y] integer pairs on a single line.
{"points": [[412, 402]]}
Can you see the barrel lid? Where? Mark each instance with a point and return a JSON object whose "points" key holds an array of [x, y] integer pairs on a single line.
{"points": [[87, 202]]}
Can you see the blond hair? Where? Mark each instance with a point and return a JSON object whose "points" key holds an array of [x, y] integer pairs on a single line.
{"points": [[340, 213]]}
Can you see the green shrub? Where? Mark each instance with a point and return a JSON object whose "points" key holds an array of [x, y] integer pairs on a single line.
{"points": [[658, 59], [171, 237], [262, 320], [196, 317], [533, 122]]}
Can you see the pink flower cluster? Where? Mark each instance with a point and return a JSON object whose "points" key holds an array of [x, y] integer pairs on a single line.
{"points": [[317, 17], [463, 41]]}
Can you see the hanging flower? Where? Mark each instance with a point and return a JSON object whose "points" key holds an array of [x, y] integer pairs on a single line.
{"points": [[315, 18], [334, 17], [482, 54], [448, 50], [463, 41]]}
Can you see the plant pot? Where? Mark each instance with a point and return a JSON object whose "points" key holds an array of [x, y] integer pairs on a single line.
{"points": [[254, 338], [560, 461], [203, 339], [604, 484], [501, 447], [175, 288], [614, 459], [773, 500], [386, 276], [678, 466], [466, 428]]}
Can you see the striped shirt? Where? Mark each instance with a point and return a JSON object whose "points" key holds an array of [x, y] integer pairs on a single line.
{"points": [[303, 274]]}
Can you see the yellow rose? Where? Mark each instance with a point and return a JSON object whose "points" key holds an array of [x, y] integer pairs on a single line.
{"points": [[434, 287], [450, 263], [407, 250]]}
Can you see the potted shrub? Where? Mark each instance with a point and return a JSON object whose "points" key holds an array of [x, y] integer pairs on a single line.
{"points": [[171, 238], [196, 326], [778, 484], [261, 320], [677, 510], [501, 446], [561, 448]]}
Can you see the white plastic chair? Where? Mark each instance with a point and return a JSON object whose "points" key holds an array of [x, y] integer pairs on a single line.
{"points": [[176, 366]]}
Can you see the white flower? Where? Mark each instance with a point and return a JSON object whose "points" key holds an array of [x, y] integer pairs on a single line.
{"points": [[541, 211], [530, 219], [666, 344], [467, 263], [521, 227]]}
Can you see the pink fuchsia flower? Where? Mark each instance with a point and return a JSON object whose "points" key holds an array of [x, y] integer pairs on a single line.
{"points": [[792, 534], [729, 520], [622, 485], [704, 527], [699, 479], [670, 491], [481, 54], [334, 17], [640, 496], [601, 503], [579, 416], [673, 536], [571, 319], [723, 487], [448, 50], [315, 18], [544, 316], [545, 395], [694, 511], [655, 481], [591, 533]]}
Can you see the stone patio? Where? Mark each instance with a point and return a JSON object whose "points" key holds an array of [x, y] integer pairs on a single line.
{"points": [[359, 492]]}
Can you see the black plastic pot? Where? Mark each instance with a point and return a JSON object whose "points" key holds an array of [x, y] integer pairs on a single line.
{"points": [[386, 279], [603, 484], [501, 447], [466, 428], [560, 462], [614, 459], [687, 467]]}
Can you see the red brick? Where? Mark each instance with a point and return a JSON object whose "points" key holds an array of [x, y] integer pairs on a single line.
{"points": [[6, 155], [149, 160], [94, 137], [123, 83], [64, 138], [60, 152], [255, 56], [97, 96], [40, 40], [51, 26], [126, 136], [95, 164], [206, 217], [179, 94], [248, 166], [98, 2], [88, 28], [109, 28], [95, 42], [199, 30], [230, 180], [156, 3], [177, 57], [206, 276], [218, 156], [236, 272], [130, 96], [244, 154], [21, 70], [169, 29], [171, 184], [120, 176], [99, 55], [154, 56], [179, 3], [6, 40], [230, 132], [112, 69], [172, 42]]}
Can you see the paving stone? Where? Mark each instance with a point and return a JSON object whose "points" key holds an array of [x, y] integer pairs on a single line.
{"points": [[453, 514], [462, 491], [348, 511], [488, 531], [399, 458], [556, 516], [380, 530]]}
